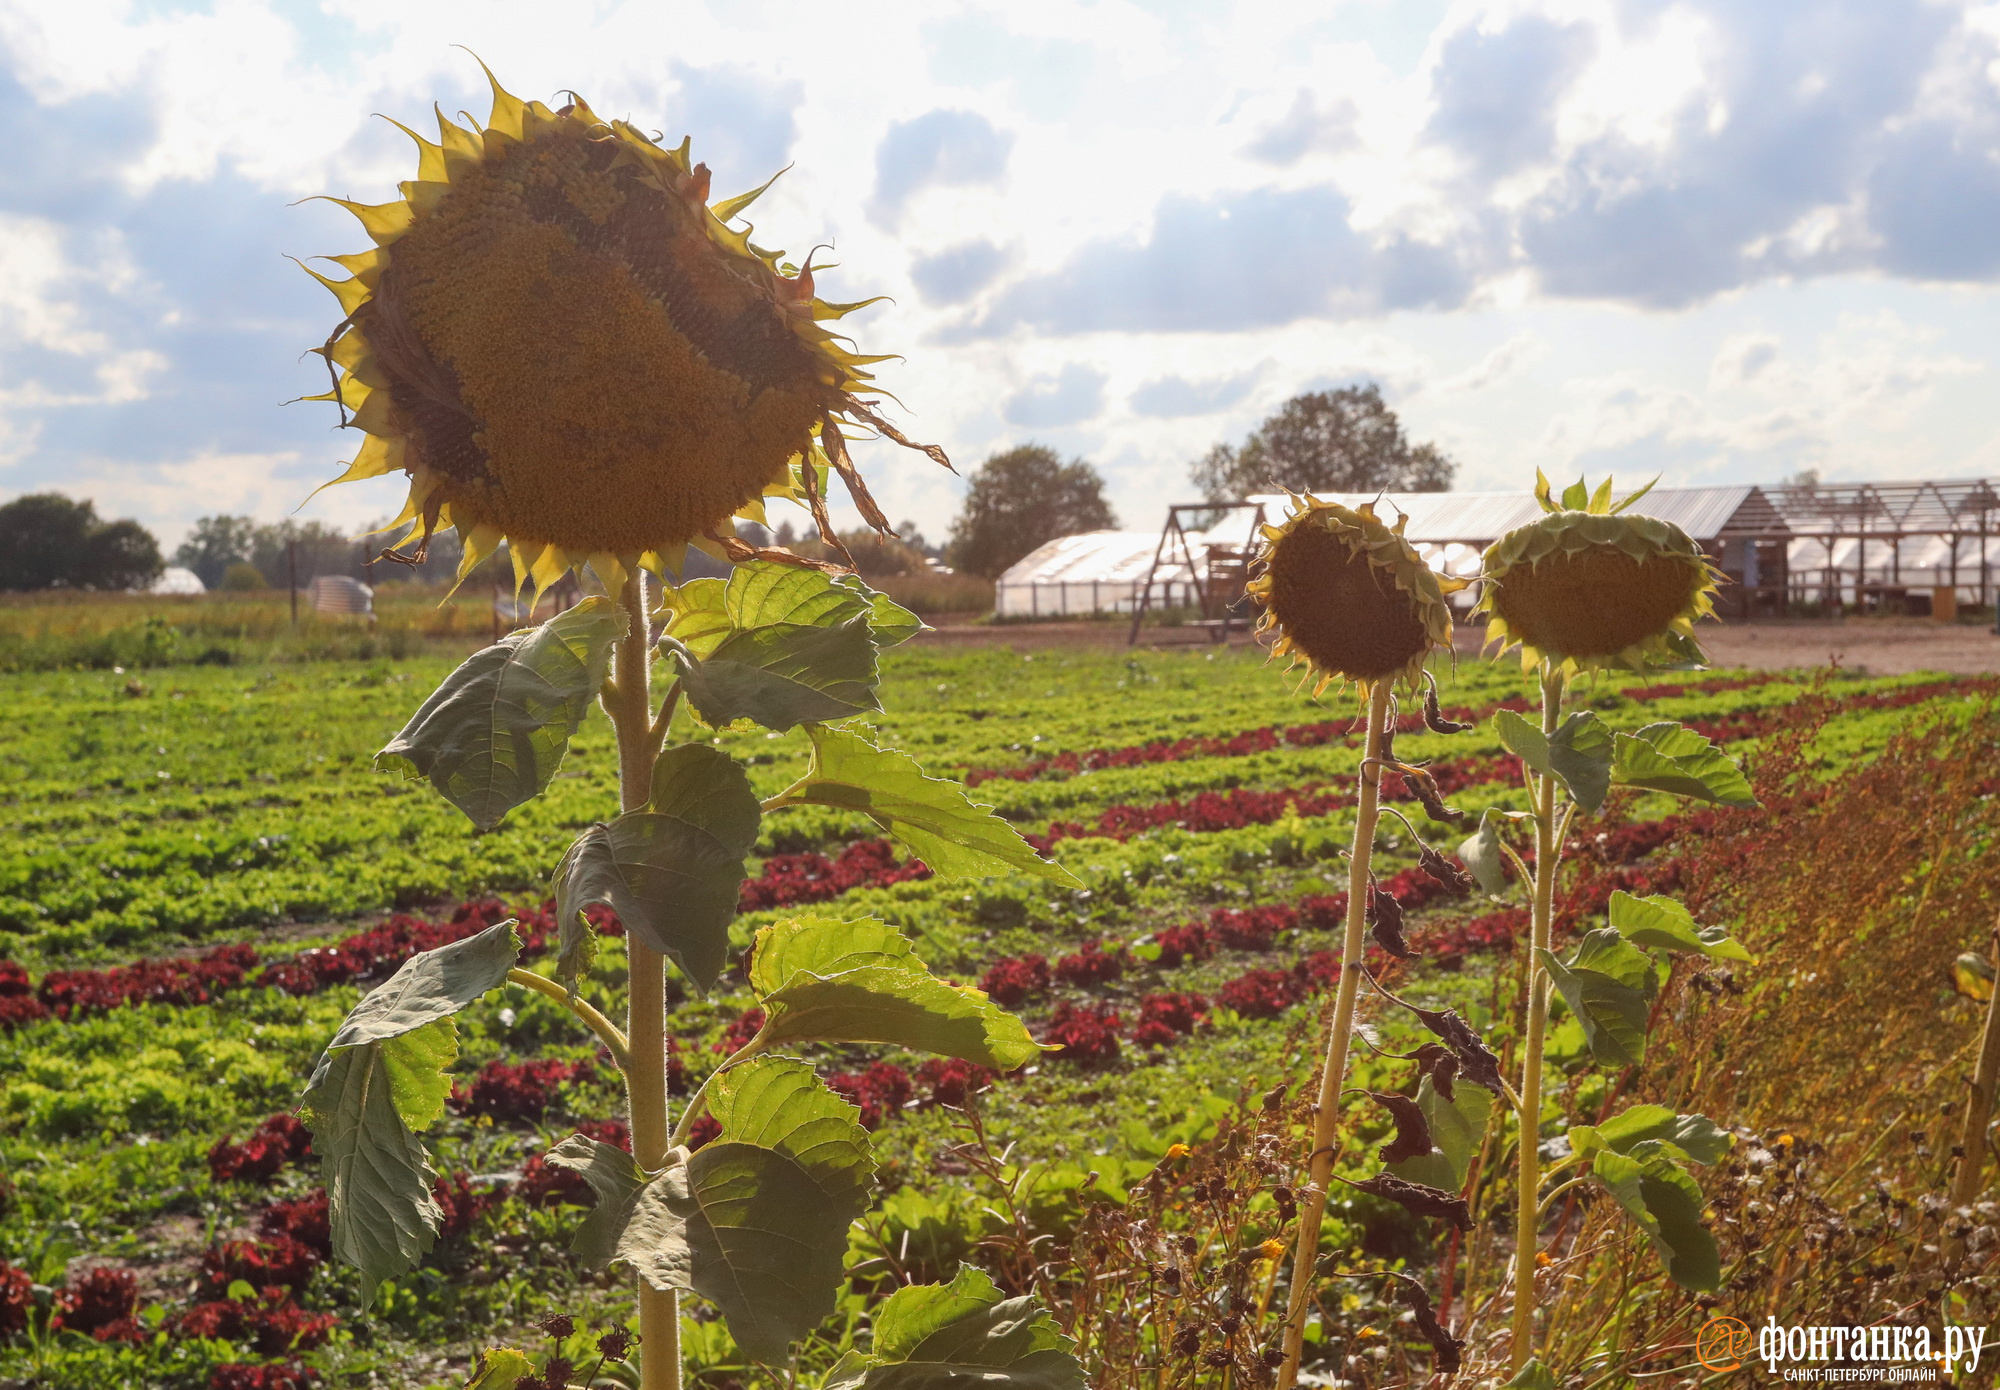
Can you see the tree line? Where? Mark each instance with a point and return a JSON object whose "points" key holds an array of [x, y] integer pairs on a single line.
{"points": [[1345, 440], [49, 541]]}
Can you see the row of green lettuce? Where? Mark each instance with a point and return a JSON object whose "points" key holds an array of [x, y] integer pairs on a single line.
{"points": [[239, 805]]}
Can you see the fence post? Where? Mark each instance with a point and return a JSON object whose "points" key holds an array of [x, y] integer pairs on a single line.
{"points": [[292, 571]]}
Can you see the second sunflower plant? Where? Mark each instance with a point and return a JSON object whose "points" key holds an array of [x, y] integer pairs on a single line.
{"points": [[1585, 588]]}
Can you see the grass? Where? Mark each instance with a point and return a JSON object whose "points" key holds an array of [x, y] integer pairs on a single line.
{"points": [[92, 631]]}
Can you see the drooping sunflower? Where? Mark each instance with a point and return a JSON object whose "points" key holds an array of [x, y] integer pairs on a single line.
{"points": [[1347, 596], [1590, 586], [567, 348]]}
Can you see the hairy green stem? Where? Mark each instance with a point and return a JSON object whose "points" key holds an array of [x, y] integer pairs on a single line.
{"points": [[607, 1031], [1527, 1218], [1319, 1162], [627, 700]]}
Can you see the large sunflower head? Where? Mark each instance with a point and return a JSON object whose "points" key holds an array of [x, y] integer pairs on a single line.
{"points": [[566, 347], [1348, 596], [1588, 586]]}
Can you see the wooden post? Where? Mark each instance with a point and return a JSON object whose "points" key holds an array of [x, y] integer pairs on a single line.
{"points": [[1944, 603], [292, 570]]}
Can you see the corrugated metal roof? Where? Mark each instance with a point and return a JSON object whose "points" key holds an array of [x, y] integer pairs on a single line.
{"points": [[1483, 517]]}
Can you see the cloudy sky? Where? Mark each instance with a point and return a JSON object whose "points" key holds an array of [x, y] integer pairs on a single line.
{"points": [[1715, 239]]}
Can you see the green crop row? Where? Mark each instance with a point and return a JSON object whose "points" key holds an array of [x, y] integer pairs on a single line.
{"points": [[222, 807]]}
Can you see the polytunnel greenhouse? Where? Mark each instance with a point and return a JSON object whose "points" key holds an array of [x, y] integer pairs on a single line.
{"points": [[1918, 547]]}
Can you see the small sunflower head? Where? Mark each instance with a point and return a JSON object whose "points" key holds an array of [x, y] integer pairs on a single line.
{"points": [[565, 346], [1588, 586], [1348, 596]]}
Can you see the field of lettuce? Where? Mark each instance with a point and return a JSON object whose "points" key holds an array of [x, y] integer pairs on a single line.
{"points": [[203, 872]]}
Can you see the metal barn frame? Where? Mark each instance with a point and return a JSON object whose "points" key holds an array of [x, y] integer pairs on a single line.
{"points": [[1215, 592], [1958, 513]]}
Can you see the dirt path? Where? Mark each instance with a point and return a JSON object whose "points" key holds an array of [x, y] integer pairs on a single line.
{"points": [[1880, 646]]}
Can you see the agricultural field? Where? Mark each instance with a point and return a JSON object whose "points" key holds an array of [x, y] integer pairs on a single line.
{"points": [[204, 872]]}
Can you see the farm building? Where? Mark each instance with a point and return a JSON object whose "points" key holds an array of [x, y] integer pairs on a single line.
{"points": [[1899, 545]]}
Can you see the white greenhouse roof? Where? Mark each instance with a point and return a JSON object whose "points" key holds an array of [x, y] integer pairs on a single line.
{"points": [[1449, 529], [1111, 556], [175, 580], [1483, 517]]}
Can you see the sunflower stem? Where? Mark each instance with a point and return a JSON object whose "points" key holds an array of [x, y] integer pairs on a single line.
{"points": [[1978, 1115], [607, 1032], [629, 705], [1319, 1162], [1527, 1218]]}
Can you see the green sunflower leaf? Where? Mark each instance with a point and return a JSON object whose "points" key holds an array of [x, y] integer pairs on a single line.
{"points": [[1665, 1202], [428, 987], [501, 1368], [784, 675], [1456, 1127], [756, 1220], [672, 872], [1672, 758], [1613, 1012], [764, 593], [1533, 1376], [1480, 853], [1663, 923], [1578, 754], [673, 885], [945, 1336], [934, 818], [381, 1216], [822, 980], [616, 1180], [381, 1079], [1695, 1137], [492, 736]]}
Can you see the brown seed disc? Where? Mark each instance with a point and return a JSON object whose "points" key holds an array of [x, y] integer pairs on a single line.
{"points": [[578, 363], [1595, 602], [1346, 616]]}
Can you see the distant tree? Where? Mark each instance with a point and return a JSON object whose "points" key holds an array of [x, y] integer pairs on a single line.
{"points": [[48, 541], [1022, 499], [215, 543], [42, 536], [912, 535], [121, 555], [1325, 441], [241, 577]]}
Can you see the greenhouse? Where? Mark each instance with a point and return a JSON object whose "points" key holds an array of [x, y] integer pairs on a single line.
{"points": [[1917, 547]]}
